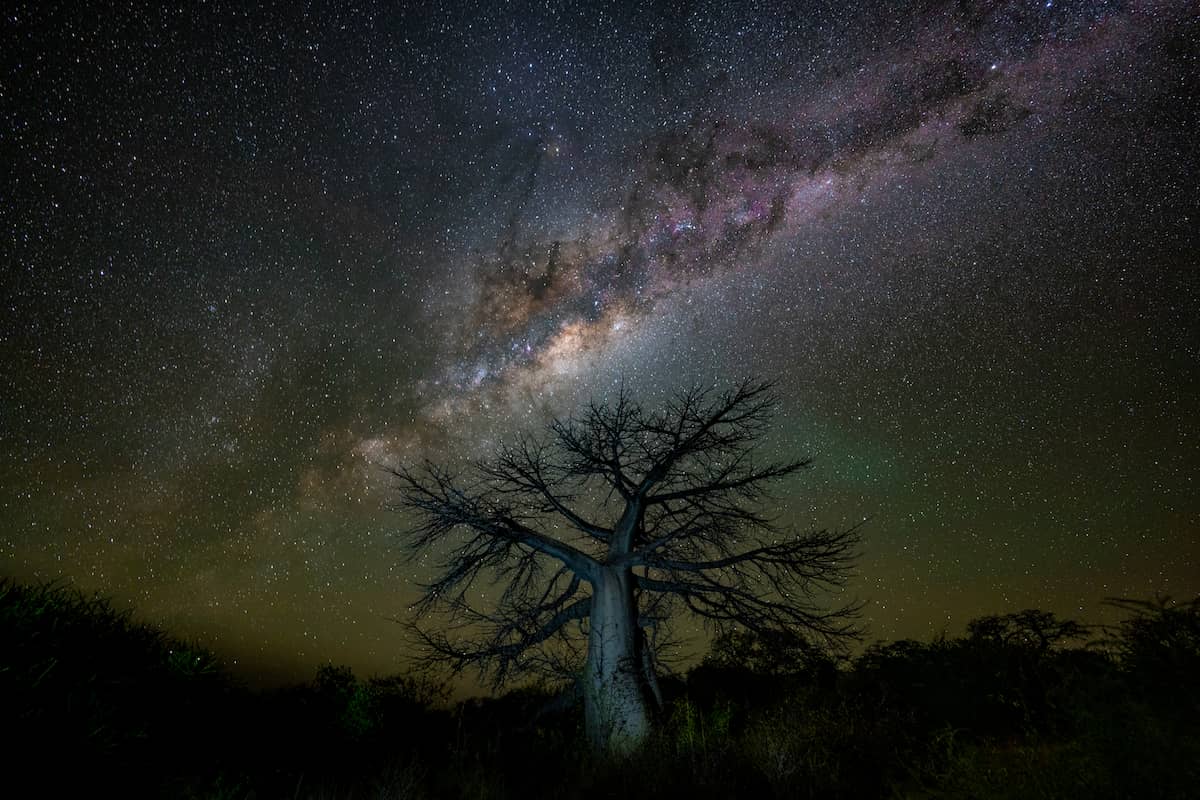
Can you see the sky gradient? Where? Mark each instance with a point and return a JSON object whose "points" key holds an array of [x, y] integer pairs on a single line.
{"points": [[252, 255]]}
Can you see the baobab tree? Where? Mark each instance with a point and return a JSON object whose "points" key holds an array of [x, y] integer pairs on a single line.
{"points": [[613, 521]]}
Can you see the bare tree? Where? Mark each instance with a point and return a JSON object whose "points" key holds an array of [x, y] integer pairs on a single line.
{"points": [[613, 521]]}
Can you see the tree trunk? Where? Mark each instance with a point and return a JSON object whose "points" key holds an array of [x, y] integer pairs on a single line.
{"points": [[616, 712]]}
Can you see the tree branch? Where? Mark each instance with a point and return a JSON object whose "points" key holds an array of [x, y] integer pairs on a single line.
{"points": [[443, 507], [678, 493]]}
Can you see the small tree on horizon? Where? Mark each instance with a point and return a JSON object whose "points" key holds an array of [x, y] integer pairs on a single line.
{"points": [[617, 520]]}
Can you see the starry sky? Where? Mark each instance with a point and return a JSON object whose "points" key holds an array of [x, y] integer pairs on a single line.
{"points": [[253, 254]]}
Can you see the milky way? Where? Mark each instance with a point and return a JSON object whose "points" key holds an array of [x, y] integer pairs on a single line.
{"points": [[714, 189], [255, 255]]}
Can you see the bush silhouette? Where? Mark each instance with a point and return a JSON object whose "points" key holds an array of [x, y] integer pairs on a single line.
{"points": [[1158, 646], [1016, 708], [126, 701]]}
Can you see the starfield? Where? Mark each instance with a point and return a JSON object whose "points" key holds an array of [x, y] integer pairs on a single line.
{"points": [[671, 397]]}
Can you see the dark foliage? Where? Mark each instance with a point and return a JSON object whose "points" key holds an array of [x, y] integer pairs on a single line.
{"points": [[95, 702], [1159, 643], [99, 704], [80, 678]]}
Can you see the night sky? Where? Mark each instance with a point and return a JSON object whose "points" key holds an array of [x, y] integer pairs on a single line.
{"points": [[249, 256]]}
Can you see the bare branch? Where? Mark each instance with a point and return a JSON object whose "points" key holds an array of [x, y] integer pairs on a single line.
{"points": [[774, 589], [498, 527], [527, 470], [511, 646], [673, 498]]}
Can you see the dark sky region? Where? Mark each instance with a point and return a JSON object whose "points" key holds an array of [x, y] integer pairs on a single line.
{"points": [[250, 254]]}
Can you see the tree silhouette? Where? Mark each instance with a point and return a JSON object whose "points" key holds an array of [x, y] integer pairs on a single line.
{"points": [[1034, 629], [611, 523], [1158, 647]]}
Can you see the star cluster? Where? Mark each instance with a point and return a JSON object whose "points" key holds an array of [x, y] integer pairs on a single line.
{"points": [[254, 254]]}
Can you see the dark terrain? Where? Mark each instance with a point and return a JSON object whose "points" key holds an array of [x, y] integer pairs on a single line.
{"points": [[1023, 706]]}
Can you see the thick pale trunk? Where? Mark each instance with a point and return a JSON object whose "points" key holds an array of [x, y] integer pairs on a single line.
{"points": [[617, 715]]}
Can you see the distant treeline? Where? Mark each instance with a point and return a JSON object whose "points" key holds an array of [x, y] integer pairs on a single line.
{"points": [[1023, 705]]}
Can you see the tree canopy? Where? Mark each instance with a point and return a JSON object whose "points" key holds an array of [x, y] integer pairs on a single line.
{"points": [[612, 522]]}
